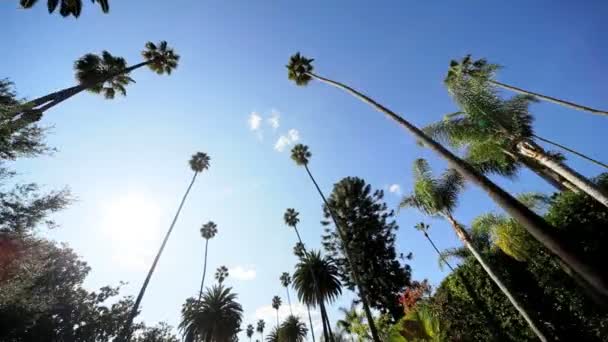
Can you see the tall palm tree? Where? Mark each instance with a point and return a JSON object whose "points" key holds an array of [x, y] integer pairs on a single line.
{"points": [[208, 231], [217, 317], [293, 330], [273, 335], [484, 72], [438, 197], [66, 7], [276, 304], [300, 71], [250, 331], [286, 281], [198, 163], [327, 289], [106, 74], [260, 328], [221, 274], [301, 156]]}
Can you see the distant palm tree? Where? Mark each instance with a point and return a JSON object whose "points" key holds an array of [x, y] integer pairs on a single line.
{"points": [[300, 70], [276, 304], [438, 197], [292, 330], [328, 285], [66, 7], [260, 328], [198, 163], [301, 156], [482, 71], [286, 281], [217, 317], [221, 274], [250, 331], [208, 231], [273, 336]]}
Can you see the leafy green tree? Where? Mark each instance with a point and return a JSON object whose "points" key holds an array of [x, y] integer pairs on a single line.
{"points": [[250, 330], [300, 70], [368, 231], [160, 333], [221, 274], [483, 72], [438, 197], [419, 324], [276, 304], [286, 281], [260, 328], [293, 330], [198, 163], [66, 7], [328, 287], [301, 156], [352, 322], [208, 231]]}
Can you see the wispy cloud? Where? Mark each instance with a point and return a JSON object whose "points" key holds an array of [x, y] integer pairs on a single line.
{"points": [[255, 121], [292, 136], [395, 189], [242, 273], [273, 120]]}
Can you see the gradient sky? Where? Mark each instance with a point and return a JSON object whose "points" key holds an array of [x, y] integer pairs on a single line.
{"points": [[126, 159]]}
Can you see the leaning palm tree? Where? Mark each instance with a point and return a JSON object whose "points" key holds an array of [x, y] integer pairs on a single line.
{"points": [[250, 331], [260, 328], [313, 269], [438, 197], [221, 274], [293, 330], [286, 281], [484, 72], [208, 231], [66, 7], [216, 317], [300, 70], [198, 163], [104, 74], [276, 304], [301, 156]]}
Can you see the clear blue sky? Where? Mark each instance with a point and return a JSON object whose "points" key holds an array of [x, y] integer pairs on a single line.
{"points": [[126, 160]]}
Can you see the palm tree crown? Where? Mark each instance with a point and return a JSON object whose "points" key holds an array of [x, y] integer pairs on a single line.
{"points": [[250, 330], [300, 154], [285, 279], [162, 58], [299, 68], [292, 330], [92, 68], [66, 7], [479, 70], [327, 277], [199, 162], [273, 335], [291, 217], [208, 230], [221, 274], [260, 326], [299, 250], [276, 302]]}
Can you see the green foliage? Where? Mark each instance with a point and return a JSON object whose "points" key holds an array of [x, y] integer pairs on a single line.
{"points": [[418, 325], [250, 330], [326, 274], [298, 69], [103, 74], [292, 330], [199, 162], [160, 333], [208, 230], [66, 7], [285, 279], [300, 154], [162, 59], [369, 231], [221, 274], [276, 302], [260, 326]]}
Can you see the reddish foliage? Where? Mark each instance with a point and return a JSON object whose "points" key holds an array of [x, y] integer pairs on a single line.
{"points": [[412, 295]]}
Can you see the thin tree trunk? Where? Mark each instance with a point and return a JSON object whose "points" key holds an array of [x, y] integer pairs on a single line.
{"points": [[549, 98], [142, 291], [595, 161], [362, 292], [534, 224], [531, 150], [289, 300], [466, 239], [325, 332], [200, 293], [312, 330], [326, 320], [277, 318], [557, 181]]}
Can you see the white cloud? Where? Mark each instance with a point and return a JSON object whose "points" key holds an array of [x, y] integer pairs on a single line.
{"points": [[292, 136], [242, 273], [395, 189], [255, 120], [269, 315], [273, 120]]}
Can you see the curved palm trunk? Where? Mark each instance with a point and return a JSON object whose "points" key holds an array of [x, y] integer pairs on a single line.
{"points": [[200, 293], [362, 292], [312, 330], [466, 239], [595, 161], [289, 300], [534, 224], [134, 311], [531, 150], [549, 98]]}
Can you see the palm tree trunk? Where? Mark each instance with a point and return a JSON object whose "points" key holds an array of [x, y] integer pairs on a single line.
{"points": [[534, 224], [557, 181], [595, 161], [362, 292], [466, 239], [289, 300], [134, 311], [312, 330], [324, 322], [200, 293], [549, 98], [277, 318], [325, 319], [531, 150]]}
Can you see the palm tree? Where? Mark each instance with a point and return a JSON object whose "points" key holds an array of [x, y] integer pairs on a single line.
{"points": [[221, 274], [250, 331], [419, 324], [327, 289], [286, 281], [300, 71], [260, 328], [67, 7], [273, 336], [208, 231], [217, 317], [198, 163], [106, 74], [301, 156], [438, 197], [292, 330], [276, 304], [483, 72]]}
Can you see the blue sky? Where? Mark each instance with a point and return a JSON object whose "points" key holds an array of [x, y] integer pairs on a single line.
{"points": [[126, 160]]}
